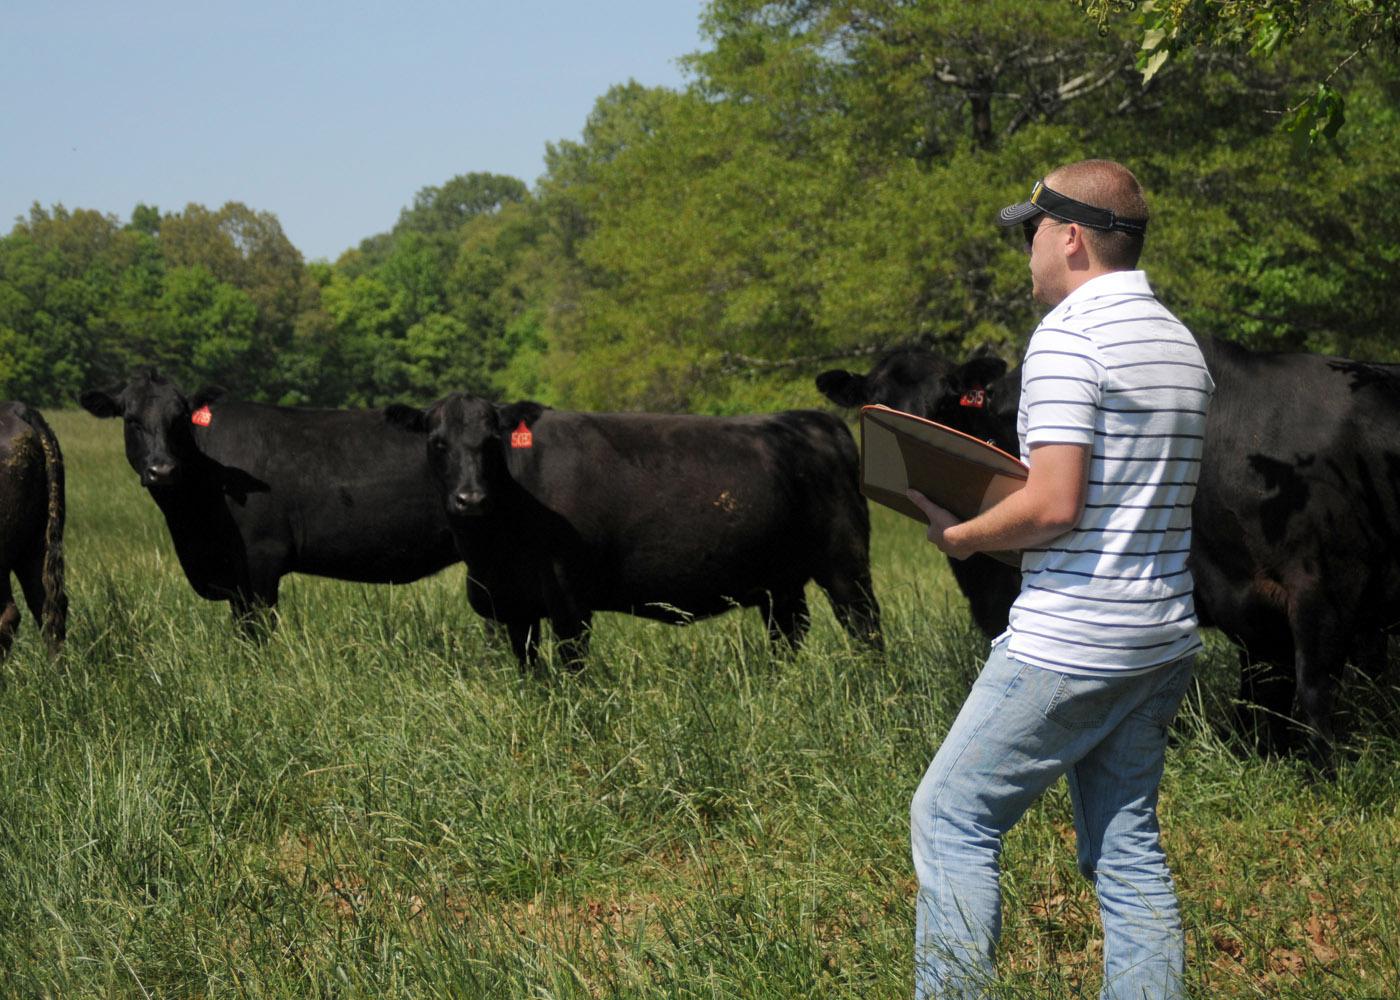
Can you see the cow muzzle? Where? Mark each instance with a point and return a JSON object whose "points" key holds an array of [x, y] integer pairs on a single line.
{"points": [[467, 503], [158, 474]]}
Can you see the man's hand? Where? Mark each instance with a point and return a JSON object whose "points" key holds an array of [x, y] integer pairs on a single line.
{"points": [[939, 521]]}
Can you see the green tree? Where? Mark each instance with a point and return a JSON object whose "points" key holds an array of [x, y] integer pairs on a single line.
{"points": [[249, 251], [367, 321], [69, 284], [426, 309], [447, 208], [1353, 32], [829, 181], [205, 330]]}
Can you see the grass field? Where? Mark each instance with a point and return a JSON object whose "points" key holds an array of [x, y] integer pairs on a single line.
{"points": [[377, 804]]}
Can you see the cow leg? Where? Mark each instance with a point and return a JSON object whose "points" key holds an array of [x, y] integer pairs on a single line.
{"points": [[787, 619], [252, 618], [1265, 700], [853, 602], [1371, 654], [9, 614], [255, 608], [990, 587], [571, 639], [1320, 651], [51, 621], [525, 642], [567, 616], [496, 631]]}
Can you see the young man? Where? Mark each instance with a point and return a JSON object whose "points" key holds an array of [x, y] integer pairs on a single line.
{"points": [[1088, 677]]}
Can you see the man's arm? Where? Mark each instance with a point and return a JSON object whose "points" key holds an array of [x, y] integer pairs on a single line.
{"points": [[1050, 503]]}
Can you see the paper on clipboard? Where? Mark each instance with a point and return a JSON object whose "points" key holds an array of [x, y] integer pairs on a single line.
{"points": [[899, 451]]}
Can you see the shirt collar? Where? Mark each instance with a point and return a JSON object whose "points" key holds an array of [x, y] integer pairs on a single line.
{"points": [[1112, 283]]}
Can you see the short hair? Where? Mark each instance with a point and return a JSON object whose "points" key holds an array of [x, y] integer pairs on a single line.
{"points": [[1105, 184]]}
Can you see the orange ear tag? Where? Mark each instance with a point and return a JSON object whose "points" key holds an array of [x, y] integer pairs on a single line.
{"points": [[201, 417], [521, 437]]}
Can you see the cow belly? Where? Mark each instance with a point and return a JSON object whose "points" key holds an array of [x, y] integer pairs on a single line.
{"points": [[361, 537], [386, 561], [698, 586], [694, 582]]}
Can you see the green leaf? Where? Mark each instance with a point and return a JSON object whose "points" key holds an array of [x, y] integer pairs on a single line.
{"points": [[1154, 62]]}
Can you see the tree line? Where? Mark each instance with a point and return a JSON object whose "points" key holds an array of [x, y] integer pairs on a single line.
{"points": [[823, 188]]}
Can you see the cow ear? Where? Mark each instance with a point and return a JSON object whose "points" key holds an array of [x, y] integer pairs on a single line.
{"points": [[983, 350], [207, 394], [512, 415], [842, 387], [100, 403], [410, 418], [977, 373]]}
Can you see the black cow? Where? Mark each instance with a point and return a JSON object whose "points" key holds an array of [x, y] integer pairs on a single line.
{"points": [[253, 492], [32, 511], [916, 381], [560, 514], [1296, 541]]}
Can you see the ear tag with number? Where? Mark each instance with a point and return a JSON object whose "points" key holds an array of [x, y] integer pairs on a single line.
{"points": [[976, 398], [521, 437], [201, 417]]}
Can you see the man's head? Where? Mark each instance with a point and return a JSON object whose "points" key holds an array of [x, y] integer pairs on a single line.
{"points": [[1084, 219]]}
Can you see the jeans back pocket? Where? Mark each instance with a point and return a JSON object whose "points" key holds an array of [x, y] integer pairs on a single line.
{"points": [[1082, 702]]}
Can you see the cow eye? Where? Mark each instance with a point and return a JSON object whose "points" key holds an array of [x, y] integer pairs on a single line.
{"points": [[438, 445]]}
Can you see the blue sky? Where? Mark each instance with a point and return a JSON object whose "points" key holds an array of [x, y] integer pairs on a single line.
{"points": [[330, 115]]}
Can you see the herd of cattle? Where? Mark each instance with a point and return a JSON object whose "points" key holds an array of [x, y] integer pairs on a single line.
{"points": [[1295, 551]]}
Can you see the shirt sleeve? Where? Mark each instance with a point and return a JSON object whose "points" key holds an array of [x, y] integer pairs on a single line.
{"points": [[1061, 386]]}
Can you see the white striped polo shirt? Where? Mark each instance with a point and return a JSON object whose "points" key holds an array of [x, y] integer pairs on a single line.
{"points": [[1112, 368]]}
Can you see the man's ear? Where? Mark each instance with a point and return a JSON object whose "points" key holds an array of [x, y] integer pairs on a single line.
{"points": [[842, 387], [101, 403], [207, 394], [410, 418], [509, 416]]}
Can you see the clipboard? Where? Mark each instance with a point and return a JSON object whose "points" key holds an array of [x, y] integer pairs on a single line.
{"points": [[900, 451]]}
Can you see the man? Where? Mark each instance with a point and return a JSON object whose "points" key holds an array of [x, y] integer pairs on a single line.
{"points": [[1088, 677]]}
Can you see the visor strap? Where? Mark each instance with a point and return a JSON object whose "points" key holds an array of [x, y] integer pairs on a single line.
{"points": [[1067, 209]]}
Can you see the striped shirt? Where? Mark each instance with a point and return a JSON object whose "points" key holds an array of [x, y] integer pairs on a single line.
{"points": [[1111, 368]]}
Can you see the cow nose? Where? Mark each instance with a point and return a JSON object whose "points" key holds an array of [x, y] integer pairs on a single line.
{"points": [[468, 501], [158, 474]]}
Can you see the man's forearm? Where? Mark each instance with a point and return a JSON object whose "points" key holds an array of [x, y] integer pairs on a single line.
{"points": [[1049, 505], [1018, 522]]}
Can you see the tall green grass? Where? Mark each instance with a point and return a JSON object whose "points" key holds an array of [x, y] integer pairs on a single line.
{"points": [[377, 803]]}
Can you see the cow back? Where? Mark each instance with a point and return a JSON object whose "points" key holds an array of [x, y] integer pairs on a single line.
{"points": [[679, 509], [339, 492]]}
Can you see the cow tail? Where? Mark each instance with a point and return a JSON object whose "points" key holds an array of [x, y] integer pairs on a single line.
{"points": [[55, 616]]}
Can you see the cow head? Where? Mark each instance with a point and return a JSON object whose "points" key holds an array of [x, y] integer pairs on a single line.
{"points": [[467, 440], [976, 397], [159, 441], [910, 380], [980, 398]]}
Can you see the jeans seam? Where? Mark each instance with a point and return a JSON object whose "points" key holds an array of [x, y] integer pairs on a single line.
{"points": [[934, 821], [1081, 821], [981, 724]]}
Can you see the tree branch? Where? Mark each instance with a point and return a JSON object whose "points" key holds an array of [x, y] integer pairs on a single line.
{"points": [[731, 362]]}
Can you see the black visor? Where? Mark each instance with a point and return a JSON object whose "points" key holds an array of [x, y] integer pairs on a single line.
{"points": [[1045, 201]]}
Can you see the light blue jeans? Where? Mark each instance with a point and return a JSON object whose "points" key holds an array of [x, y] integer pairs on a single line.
{"points": [[1019, 730]]}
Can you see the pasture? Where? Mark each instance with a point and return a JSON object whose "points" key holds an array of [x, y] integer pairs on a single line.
{"points": [[377, 803]]}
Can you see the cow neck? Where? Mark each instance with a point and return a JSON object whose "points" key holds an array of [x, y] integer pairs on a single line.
{"points": [[1003, 404], [517, 520], [199, 482]]}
